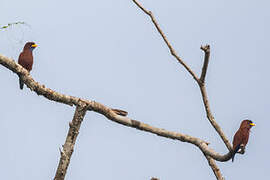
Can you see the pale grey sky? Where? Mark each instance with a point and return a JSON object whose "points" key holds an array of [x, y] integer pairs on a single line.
{"points": [[109, 51]]}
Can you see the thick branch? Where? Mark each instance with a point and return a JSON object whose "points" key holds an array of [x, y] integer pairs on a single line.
{"points": [[68, 147], [42, 90], [149, 13], [214, 167], [106, 111]]}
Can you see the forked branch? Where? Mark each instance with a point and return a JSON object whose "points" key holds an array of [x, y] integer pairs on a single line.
{"points": [[118, 116], [200, 82], [209, 114], [106, 111]]}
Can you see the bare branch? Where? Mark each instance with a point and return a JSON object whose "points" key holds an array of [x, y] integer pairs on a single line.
{"points": [[214, 167], [201, 83], [42, 90], [212, 119], [149, 13], [116, 115], [206, 50], [68, 147], [202, 87], [106, 111]]}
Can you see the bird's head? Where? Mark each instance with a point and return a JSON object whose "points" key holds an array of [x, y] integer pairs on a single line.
{"points": [[30, 46], [247, 124]]}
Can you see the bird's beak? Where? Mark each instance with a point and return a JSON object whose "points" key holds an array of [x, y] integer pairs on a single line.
{"points": [[252, 124], [34, 45]]}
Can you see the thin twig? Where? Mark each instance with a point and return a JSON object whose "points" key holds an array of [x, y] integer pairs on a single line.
{"points": [[149, 13], [68, 147], [212, 119], [206, 50], [209, 114], [11, 24]]}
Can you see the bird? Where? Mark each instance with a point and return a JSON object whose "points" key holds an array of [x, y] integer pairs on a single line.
{"points": [[240, 138], [26, 58]]}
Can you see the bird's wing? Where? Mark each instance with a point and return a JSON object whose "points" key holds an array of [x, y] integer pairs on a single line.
{"points": [[237, 141], [26, 60]]}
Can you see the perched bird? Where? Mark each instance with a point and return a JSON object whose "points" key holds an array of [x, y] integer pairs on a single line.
{"points": [[240, 138], [26, 58]]}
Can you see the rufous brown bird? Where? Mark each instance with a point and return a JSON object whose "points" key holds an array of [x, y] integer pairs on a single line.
{"points": [[240, 138], [26, 58]]}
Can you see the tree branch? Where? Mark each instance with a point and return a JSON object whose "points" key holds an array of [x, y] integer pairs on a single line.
{"points": [[202, 87], [42, 90], [106, 111], [210, 117], [201, 83], [214, 167], [116, 115], [149, 13], [206, 50], [68, 147]]}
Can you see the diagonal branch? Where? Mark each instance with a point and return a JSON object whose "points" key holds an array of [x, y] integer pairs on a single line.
{"points": [[214, 168], [202, 87], [117, 115], [209, 114], [68, 147], [149, 13], [106, 111], [212, 119], [42, 90], [201, 83]]}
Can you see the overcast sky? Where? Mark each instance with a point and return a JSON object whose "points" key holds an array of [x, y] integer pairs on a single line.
{"points": [[110, 52]]}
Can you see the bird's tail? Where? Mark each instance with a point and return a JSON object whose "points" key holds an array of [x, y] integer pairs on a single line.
{"points": [[233, 154], [120, 112], [21, 83], [235, 151]]}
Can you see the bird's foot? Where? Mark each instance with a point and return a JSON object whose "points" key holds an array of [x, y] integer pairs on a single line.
{"points": [[242, 149]]}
